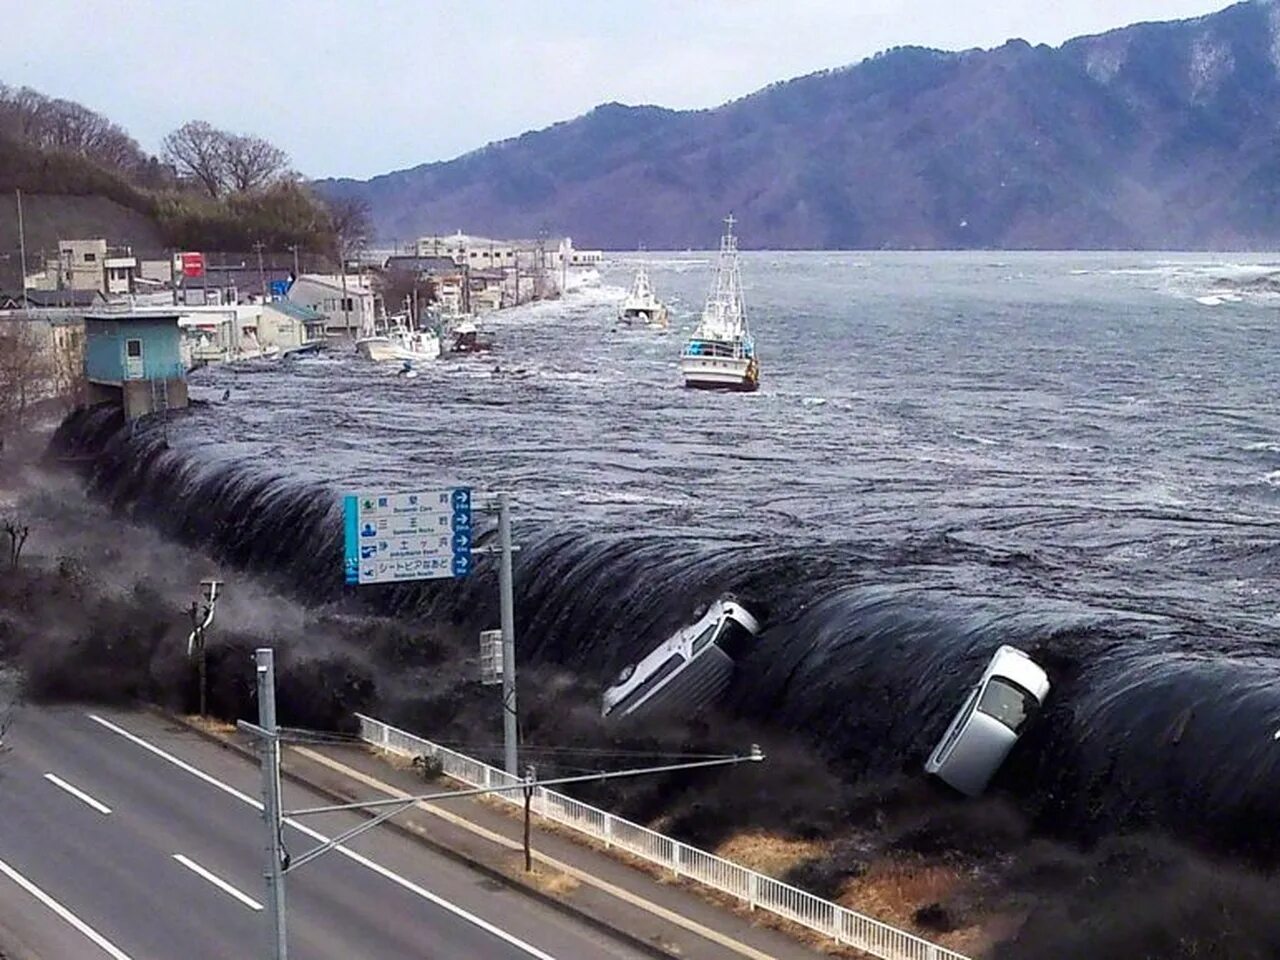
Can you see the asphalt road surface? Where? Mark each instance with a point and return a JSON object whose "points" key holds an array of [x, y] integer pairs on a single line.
{"points": [[124, 837]]}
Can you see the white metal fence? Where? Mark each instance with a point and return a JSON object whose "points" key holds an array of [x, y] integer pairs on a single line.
{"points": [[756, 890]]}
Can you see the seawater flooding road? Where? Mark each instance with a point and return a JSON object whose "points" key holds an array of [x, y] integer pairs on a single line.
{"points": [[123, 837]]}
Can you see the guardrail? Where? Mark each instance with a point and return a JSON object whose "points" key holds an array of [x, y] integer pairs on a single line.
{"points": [[755, 890]]}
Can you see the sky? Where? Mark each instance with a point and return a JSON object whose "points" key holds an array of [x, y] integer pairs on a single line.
{"points": [[361, 87]]}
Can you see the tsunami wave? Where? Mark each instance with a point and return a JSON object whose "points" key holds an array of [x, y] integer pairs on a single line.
{"points": [[1146, 727]]}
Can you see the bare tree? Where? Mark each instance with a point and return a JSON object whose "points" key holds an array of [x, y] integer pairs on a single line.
{"points": [[252, 162], [26, 372], [348, 223], [198, 150], [17, 533], [67, 126]]}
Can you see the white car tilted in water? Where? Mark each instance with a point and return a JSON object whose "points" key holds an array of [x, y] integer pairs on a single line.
{"points": [[687, 671], [997, 710]]}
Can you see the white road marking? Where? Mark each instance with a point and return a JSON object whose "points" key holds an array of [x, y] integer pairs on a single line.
{"points": [[218, 882], [107, 946], [350, 854], [79, 794]]}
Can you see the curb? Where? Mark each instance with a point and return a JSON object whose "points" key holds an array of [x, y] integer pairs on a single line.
{"points": [[491, 873]]}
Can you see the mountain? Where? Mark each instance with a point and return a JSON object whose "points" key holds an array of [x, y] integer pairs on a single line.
{"points": [[1157, 135]]}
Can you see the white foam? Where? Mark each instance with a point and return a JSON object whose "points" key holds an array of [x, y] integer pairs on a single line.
{"points": [[974, 438]]}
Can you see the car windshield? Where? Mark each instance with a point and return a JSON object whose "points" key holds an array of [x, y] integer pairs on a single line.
{"points": [[1008, 703], [703, 639]]}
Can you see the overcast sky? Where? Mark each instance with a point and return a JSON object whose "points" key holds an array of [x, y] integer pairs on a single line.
{"points": [[362, 87]]}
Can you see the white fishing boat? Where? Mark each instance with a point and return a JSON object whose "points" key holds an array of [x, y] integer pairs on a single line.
{"points": [[642, 304], [399, 342], [720, 354]]}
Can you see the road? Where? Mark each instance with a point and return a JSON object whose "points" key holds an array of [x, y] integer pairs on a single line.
{"points": [[122, 836]]}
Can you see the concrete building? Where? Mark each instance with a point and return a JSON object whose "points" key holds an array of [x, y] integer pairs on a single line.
{"points": [[92, 265], [135, 360], [346, 313], [58, 336]]}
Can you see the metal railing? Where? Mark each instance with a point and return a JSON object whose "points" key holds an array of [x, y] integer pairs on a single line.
{"points": [[755, 890]]}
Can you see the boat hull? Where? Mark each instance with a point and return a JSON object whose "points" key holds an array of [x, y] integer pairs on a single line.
{"points": [[653, 317], [387, 350], [721, 373]]}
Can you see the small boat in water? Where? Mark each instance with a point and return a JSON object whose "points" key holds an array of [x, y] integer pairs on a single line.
{"points": [[466, 337], [689, 670], [721, 355], [642, 304], [399, 342]]}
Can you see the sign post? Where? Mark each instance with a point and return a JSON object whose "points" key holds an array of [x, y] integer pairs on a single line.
{"points": [[510, 729], [400, 537]]}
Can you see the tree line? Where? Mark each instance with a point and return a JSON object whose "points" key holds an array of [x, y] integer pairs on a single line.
{"points": [[208, 189]]}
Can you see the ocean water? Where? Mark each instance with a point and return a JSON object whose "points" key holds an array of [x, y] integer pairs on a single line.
{"points": [[1078, 454]]}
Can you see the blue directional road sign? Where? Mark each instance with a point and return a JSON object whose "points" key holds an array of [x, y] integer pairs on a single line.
{"points": [[393, 537]]}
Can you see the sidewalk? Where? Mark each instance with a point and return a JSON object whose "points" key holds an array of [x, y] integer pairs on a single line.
{"points": [[667, 918]]}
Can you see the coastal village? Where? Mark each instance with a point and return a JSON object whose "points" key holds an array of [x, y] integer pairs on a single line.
{"points": [[175, 311]]}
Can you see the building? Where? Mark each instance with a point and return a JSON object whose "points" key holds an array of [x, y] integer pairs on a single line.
{"points": [[135, 360], [289, 327], [56, 365], [346, 312], [472, 251], [423, 267], [92, 265], [531, 269], [43, 300]]}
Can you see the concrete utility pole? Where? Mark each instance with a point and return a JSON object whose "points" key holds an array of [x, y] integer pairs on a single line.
{"points": [[271, 807], [262, 276], [342, 270], [196, 642], [22, 247], [510, 729]]}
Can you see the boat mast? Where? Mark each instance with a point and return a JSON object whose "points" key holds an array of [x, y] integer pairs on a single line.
{"points": [[725, 302]]}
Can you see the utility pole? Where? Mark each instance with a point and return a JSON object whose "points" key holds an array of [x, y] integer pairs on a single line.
{"points": [[264, 658], [342, 270], [262, 277], [294, 248], [530, 777], [196, 642], [510, 728], [22, 247]]}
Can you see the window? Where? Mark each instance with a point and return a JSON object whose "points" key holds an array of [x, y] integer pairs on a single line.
{"points": [[90, 258], [133, 349], [348, 304], [1008, 703], [669, 666], [703, 640]]}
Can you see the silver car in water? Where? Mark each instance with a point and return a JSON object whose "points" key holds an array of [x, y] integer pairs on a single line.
{"points": [[688, 671], [993, 716]]}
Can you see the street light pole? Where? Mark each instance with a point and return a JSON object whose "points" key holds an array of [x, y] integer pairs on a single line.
{"points": [[266, 673], [510, 730]]}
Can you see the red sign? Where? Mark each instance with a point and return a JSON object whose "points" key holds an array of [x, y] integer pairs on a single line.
{"points": [[193, 264]]}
